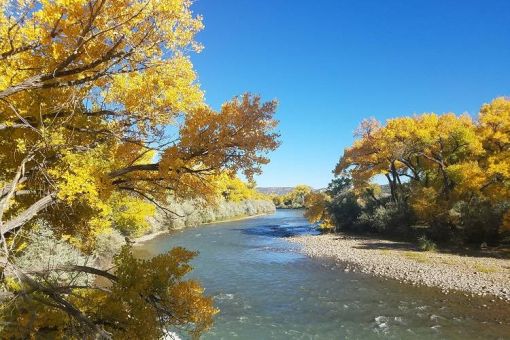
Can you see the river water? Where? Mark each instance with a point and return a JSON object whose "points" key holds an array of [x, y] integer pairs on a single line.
{"points": [[266, 289]]}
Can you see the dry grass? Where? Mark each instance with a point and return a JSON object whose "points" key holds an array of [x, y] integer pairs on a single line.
{"points": [[483, 268], [417, 256], [448, 261]]}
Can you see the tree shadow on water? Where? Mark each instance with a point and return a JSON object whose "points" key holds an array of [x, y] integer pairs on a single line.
{"points": [[278, 230]]}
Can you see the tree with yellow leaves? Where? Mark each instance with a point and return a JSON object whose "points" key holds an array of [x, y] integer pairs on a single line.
{"points": [[448, 171], [494, 131], [87, 91], [293, 199], [231, 188], [317, 209]]}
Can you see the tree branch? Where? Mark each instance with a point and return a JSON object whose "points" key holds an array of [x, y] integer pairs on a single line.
{"points": [[132, 168], [27, 215]]}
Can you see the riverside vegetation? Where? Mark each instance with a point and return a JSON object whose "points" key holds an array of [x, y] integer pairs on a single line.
{"points": [[294, 199], [235, 199], [88, 90], [103, 127], [448, 191], [448, 178]]}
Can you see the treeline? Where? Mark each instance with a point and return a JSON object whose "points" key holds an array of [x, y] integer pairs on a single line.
{"points": [[192, 213], [134, 218], [448, 178], [295, 199], [234, 199]]}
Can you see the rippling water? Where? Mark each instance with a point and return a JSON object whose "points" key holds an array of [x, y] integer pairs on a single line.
{"points": [[266, 289]]}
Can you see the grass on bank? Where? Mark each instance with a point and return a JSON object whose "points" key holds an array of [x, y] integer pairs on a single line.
{"points": [[417, 256], [483, 268]]}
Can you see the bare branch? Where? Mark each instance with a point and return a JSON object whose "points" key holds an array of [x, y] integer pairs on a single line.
{"points": [[133, 168], [28, 214]]}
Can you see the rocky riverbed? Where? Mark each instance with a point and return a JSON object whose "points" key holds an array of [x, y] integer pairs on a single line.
{"points": [[484, 276]]}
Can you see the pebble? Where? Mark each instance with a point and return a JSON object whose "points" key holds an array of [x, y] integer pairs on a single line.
{"points": [[383, 259]]}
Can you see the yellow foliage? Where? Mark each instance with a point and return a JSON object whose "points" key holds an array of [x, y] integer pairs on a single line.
{"points": [[293, 199], [130, 214], [434, 160], [233, 189], [425, 205], [122, 306], [316, 205], [102, 116], [494, 129]]}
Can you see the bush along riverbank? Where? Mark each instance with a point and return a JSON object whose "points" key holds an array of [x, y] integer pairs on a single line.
{"points": [[231, 199], [194, 213], [475, 275], [190, 213]]}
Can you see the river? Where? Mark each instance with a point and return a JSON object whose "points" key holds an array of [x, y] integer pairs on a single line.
{"points": [[266, 289]]}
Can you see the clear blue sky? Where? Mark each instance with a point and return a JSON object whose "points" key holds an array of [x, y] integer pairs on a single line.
{"points": [[332, 63]]}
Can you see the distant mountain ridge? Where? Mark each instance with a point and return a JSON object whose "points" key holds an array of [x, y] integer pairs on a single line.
{"points": [[274, 190], [385, 189]]}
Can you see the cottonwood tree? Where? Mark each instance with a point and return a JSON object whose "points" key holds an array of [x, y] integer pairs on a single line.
{"points": [[88, 90], [317, 209], [448, 168]]}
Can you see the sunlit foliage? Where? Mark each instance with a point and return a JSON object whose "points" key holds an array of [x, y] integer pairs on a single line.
{"points": [[317, 211], [143, 297], [293, 199], [447, 172], [88, 90], [233, 189]]}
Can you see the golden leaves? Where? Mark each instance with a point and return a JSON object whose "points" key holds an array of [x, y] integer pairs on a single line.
{"points": [[130, 214], [161, 278], [89, 89], [158, 94], [441, 159], [234, 139], [232, 189], [316, 204], [143, 294]]}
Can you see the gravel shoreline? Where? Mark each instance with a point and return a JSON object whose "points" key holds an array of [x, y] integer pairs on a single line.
{"points": [[483, 276]]}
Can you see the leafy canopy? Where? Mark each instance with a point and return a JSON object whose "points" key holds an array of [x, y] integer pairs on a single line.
{"points": [[445, 167], [101, 119]]}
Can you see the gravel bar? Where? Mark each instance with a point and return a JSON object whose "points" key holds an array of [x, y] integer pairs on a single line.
{"points": [[484, 276]]}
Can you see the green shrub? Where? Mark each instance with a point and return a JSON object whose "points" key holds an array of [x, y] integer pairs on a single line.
{"points": [[191, 213], [386, 217], [108, 245], [345, 210], [46, 252], [379, 219], [426, 244], [480, 220]]}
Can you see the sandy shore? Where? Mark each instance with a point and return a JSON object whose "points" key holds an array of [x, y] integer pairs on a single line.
{"points": [[402, 261], [148, 237]]}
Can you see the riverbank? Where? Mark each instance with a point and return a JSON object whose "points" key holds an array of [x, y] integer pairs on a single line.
{"points": [[147, 237], [193, 213], [483, 276]]}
